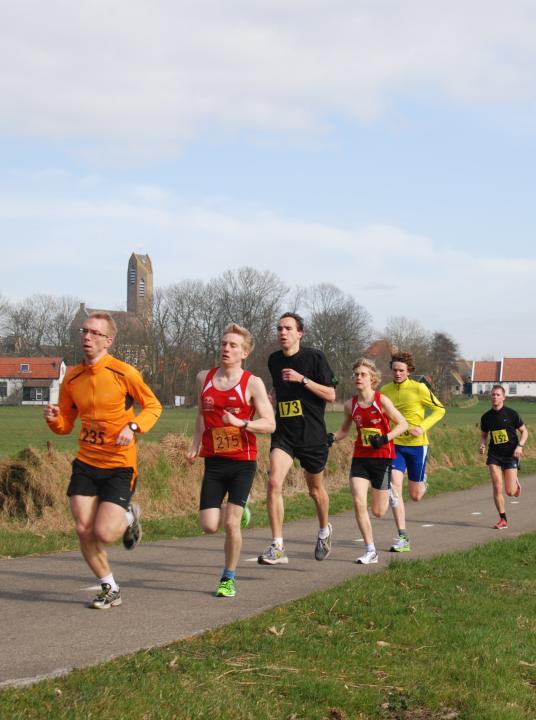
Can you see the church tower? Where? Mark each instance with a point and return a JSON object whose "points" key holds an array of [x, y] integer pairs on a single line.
{"points": [[140, 287]]}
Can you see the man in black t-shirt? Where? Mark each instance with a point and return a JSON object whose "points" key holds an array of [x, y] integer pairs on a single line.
{"points": [[303, 382], [507, 437]]}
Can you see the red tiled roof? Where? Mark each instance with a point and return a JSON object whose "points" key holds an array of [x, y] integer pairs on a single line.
{"points": [[378, 348], [39, 367], [519, 370], [486, 371]]}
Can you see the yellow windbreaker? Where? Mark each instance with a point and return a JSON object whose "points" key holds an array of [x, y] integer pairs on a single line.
{"points": [[412, 398]]}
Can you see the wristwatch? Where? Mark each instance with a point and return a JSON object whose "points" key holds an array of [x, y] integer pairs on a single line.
{"points": [[305, 380], [134, 426]]}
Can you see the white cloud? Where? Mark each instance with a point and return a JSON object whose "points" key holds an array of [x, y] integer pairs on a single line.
{"points": [[140, 76], [80, 248]]}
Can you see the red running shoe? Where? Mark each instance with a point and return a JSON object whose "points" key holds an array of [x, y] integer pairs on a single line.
{"points": [[501, 525]]}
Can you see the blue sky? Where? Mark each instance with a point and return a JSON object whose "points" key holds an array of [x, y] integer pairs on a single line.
{"points": [[385, 147]]}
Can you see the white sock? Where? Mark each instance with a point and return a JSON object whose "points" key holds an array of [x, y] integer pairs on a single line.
{"points": [[278, 542], [370, 548], [109, 580], [323, 533], [130, 517]]}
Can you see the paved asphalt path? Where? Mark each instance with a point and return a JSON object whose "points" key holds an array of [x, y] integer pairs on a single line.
{"points": [[168, 587]]}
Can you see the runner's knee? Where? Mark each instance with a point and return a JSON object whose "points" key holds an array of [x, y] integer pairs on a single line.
{"points": [[209, 526], [106, 535], [84, 532]]}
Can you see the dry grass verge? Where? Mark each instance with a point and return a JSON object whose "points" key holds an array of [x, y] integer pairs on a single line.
{"points": [[33, 486]]}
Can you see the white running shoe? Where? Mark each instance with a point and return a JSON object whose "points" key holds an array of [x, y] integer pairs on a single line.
{"points": [[370, 557]]}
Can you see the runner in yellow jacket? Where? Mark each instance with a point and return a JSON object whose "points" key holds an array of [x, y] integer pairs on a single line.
{"points": [[422, 410]]}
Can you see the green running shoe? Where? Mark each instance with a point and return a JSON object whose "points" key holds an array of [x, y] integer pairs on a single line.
{"points": [[246, 517], [400, 544], [226, 588]]}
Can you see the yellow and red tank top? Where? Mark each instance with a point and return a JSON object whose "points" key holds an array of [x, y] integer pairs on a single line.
{"points": [[371, 421], [226, 440]]}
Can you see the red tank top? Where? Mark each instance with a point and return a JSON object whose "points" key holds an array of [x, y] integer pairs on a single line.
{"points": [[371, 421], [226, 440]]}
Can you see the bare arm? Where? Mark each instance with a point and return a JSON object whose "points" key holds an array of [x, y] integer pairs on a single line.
{"points": [[483, 442], [265, 422], [199, 427], [523, 437], [342, 432], [60, 418], [325, 392]]}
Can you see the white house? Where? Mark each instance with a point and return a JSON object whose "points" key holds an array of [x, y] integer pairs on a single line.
{"points": [[30, 380], [516, 375]]}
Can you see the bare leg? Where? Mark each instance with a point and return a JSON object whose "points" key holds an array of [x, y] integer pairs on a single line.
{"points": [[317, 491], [359, 488], [96, 524], [379, 502], [495, 473], [399, 512], [210, 520], [510, 481], [280, 464], [416, 490], [233, 535]]}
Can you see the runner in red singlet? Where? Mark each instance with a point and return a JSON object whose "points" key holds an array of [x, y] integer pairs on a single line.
{"points": [[372, 413], [224, 435]]}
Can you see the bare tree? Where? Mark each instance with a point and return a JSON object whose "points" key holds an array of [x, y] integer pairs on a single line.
{"points": [[4, 310], [40, 324], [340, 327], [443, 361], [409, 336], [57, 329], [253, 299]]}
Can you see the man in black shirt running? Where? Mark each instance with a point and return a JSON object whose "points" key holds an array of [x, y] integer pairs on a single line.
{"points": [[303, 382], [502, 424]]}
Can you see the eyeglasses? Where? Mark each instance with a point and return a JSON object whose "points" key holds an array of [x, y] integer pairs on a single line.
{"points": [[93, 333]]}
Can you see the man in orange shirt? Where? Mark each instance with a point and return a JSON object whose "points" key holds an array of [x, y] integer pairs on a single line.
{"points": [[102, 391]]}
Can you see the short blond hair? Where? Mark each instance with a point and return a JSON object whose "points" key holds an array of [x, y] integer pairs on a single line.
{"points": [[103, 315], [375, 374], [248, 343]]}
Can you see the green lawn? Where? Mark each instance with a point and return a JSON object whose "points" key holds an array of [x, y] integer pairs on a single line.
{"points": [[21, 427]]}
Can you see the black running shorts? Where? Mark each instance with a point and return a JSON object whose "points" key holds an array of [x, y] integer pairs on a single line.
{"points": [[312, 459], [108, 484], [225, 476], [377, 470], [506, 463]]}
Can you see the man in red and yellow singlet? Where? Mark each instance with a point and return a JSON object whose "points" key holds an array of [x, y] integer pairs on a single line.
{"points": [[101, 391], [229, 398]]}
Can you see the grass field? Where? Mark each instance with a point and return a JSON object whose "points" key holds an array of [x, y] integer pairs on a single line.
{"points": [[21, 427], [448, 639]]}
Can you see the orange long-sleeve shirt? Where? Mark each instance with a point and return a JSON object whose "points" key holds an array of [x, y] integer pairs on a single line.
{"points": [[103, 395]]}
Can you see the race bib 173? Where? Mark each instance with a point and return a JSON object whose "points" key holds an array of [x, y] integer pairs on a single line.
{"points": [[290, 408]]}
